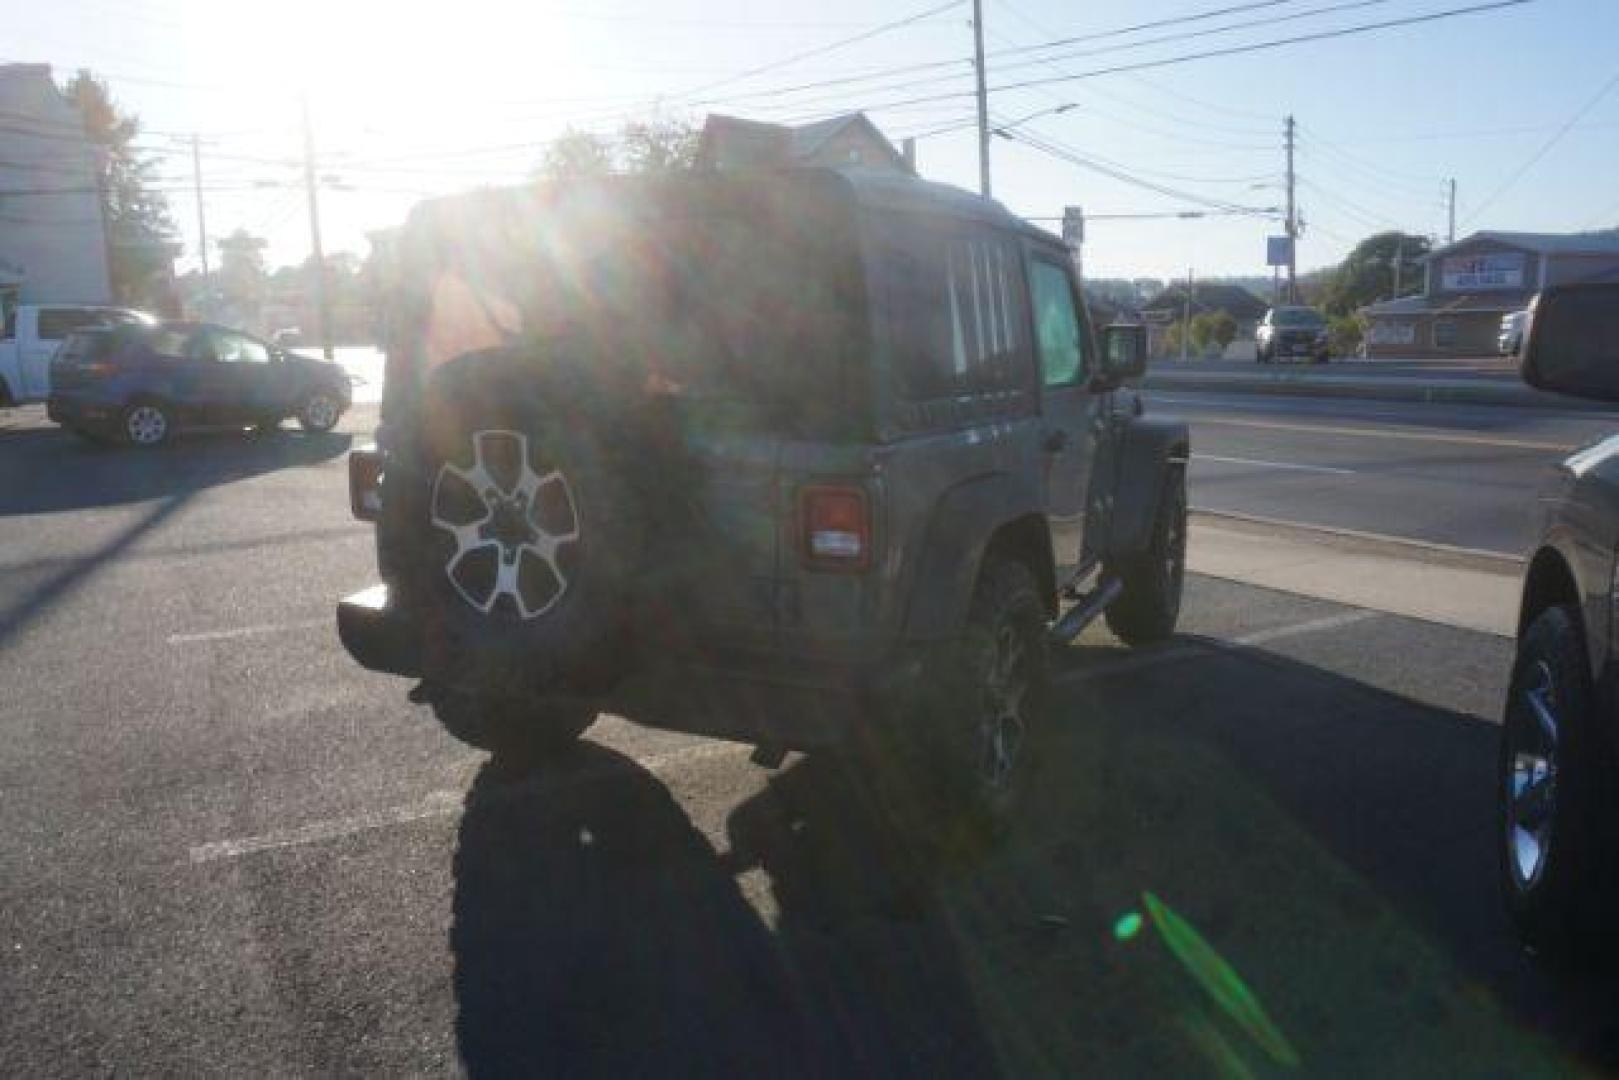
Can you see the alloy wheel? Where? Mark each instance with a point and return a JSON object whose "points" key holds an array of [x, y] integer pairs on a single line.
{"points": [[510, 524], [320, 412], [146, 425], [1532, 744], [1003, 726]]}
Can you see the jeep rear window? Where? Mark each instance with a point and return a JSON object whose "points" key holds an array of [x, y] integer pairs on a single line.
{"points": [[746, 294]]}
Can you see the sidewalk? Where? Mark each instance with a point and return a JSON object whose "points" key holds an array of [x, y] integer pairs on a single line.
{"points": [[1335, 381], [1453, 586]]}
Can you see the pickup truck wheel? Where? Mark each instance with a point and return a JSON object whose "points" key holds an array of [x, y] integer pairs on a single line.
{"points": [[1556, 826], [318, 413], [1150, 605], [520, 731]]}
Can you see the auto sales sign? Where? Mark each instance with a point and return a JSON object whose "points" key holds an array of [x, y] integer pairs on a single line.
{"points": [[1471, 273]]}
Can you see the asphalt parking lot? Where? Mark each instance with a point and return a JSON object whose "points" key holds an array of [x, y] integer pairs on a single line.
{"points": [[229, 850]]}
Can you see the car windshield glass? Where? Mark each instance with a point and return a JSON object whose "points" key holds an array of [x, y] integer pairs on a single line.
{"points": [[1294, 318]]}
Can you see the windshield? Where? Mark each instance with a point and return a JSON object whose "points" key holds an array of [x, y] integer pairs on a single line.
{"points": [[1297, 318]]}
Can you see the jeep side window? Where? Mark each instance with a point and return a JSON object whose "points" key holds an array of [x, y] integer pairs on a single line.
{"points": [[1056, 324], [955, 309]]}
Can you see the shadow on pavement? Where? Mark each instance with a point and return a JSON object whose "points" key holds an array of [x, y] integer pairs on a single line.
{"points": [[46, 469], [597, 932], [1329, 843]]}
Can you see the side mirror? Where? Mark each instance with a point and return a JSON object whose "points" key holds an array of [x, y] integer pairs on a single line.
{"points": [[1571, 342], [1124, 351]]}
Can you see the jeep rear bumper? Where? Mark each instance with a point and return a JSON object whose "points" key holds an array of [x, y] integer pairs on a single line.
{"points": [[794, 704], [378, 635]]}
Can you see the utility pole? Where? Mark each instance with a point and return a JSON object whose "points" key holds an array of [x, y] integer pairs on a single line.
{"points": [[1292, 222], [311, 188], [983, 99], [1452, 235], [202, 217], [1186, 313], [1399, 257]]}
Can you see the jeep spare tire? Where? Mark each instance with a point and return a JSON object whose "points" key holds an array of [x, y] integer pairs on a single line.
{"points": [[533, 530]]}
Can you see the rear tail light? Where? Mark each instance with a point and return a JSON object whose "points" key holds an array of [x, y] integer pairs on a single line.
{"points": [[836, 524], [365, 484]]}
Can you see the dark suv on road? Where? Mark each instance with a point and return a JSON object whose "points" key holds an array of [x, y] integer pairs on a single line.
{"points": [[1558, 796], [1299, 332], [802, 458], [141, 383]]}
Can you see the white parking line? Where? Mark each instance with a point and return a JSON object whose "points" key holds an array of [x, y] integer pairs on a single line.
{"points": [[1176, 654], [1197, 457], [435, 804], [247, 631]]}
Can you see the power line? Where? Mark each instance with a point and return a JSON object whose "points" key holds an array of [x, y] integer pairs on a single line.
{"points": [[1046, 61], [1545, 148], [822, 50], [1064, 153]]}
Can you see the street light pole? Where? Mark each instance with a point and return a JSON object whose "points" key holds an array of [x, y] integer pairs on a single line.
{"points": [[311, 189], [202, 217], [983, 99]]}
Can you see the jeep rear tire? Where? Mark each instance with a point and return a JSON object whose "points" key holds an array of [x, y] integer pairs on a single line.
{"points": [[956, 761], [517, 730], [1147, 610]]}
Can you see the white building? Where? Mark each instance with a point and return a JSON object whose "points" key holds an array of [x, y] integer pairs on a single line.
{"points": [[53, 244]]}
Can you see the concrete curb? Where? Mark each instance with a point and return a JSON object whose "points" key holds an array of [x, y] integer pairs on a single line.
{"points": [[1404, 388], [1498, 562]]}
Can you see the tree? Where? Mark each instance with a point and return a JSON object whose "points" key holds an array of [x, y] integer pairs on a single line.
{"points": [[140, 233], [574, 155], [658, 146], [1367, 274], [644, 147], [241, 282]]}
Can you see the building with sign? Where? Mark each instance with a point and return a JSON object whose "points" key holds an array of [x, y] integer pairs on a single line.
{"points": [[1472, 283]]}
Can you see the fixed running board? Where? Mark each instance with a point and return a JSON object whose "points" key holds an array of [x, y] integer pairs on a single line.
{"points": [[1085, 611]]}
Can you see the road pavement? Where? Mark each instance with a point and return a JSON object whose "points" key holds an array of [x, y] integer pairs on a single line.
{"points": [[1450, 474], [227, 850]]}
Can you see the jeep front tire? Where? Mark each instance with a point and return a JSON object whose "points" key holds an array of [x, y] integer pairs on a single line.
{"points": [[1147, 610]]}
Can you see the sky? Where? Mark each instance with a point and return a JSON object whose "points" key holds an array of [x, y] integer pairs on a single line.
{"points": [[1519, 104]]}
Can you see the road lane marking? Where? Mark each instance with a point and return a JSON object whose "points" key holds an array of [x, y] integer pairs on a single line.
{"points": [[1198, 456], [1392, 433], [436, 804], [1177, 653], [247, 631]]}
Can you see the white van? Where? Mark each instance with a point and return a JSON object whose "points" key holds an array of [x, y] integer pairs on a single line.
{"points": [[30, 338]]}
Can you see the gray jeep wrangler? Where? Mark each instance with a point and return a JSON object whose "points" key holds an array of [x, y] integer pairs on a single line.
{"points": [[807, 459]]}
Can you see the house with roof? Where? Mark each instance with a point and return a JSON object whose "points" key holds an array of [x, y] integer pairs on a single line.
{"points": [[1471, 284], [53, 243], [1171, 305], [839, 142]]}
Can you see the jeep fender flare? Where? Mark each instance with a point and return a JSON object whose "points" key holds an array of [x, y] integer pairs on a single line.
{"points": [[964, 521], [1149, 447]]}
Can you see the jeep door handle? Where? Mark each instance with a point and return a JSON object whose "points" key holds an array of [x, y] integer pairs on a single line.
{"points": [[1056, 441]]}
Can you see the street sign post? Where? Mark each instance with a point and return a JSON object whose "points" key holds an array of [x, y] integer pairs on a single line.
{"points": [[1073, 226]]}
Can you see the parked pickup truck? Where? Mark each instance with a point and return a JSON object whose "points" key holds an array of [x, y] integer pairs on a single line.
{"points": [[31, 336]]}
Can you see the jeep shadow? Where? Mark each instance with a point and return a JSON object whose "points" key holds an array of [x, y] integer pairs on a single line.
{"points": [[1317, 852]]}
